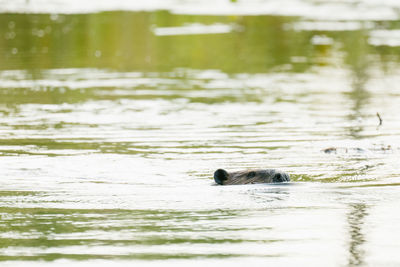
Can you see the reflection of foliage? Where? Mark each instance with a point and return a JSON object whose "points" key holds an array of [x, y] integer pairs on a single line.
{"points": [[356, 47], [38, 229], [357, 58], [125, 41], [356, 219]]}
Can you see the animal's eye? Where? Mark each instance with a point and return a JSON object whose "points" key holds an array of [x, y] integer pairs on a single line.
{"points": [[251, 174]]}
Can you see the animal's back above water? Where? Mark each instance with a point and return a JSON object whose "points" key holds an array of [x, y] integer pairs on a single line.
{"points": [[223, 177]]}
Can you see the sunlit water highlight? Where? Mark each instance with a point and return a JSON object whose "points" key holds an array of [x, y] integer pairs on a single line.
{"points": [[107, 162]]}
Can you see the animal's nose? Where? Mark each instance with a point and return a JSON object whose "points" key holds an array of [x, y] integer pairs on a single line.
{"points": [[280, 177], [277, 178]]}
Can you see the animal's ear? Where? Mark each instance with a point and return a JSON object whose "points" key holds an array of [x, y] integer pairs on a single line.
{"points": [[220, 176], [251, 174]]}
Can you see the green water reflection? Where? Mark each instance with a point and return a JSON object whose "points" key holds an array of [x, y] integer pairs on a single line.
{"points": [[126, 41], [356, 221], [127, 230], [106, 83]]}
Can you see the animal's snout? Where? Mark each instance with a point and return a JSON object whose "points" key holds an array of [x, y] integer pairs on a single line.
{"points": [[280, 177], [277, 178]]}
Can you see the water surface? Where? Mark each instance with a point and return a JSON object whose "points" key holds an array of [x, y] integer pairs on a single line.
{"points": [[112, 124]]}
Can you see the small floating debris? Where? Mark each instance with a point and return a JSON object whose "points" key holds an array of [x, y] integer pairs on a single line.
{"points": [[380, 119], [375, 148], [351, 150], [329, 150]]}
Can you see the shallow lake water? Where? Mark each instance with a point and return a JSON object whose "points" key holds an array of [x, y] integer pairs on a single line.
{"points": [[113, 119]]}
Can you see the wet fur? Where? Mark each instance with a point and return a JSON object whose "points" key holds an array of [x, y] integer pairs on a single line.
{"points": [[223, 177]]}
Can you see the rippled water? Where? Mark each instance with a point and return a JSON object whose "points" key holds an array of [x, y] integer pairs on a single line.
{"points": [[112, 124]]}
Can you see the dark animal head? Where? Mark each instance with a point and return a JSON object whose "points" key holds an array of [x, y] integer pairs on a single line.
{"points": [[222, 177]]}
